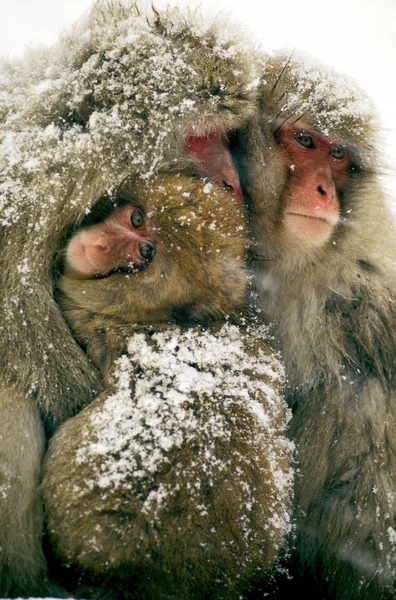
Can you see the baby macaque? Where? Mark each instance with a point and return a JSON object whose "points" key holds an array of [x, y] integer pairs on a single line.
{"points": [[158, 257], [176, 481]]}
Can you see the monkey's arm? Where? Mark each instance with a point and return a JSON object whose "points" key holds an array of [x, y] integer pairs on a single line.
{"points": [[177, 480], [346, 504], [345, 436], [22, 564]]}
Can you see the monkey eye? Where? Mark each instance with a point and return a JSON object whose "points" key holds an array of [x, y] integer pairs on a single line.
{"points": [[338, 152], [305, 140], [137, 218]]}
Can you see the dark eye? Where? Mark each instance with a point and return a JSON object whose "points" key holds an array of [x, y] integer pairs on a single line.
{"points": [[305, 140], [137, 218], [338, 153]]}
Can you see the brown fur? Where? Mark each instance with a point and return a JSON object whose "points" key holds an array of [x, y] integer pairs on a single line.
{"points": [[200, 245], [224, 515], [334, 316], [115, 98]]}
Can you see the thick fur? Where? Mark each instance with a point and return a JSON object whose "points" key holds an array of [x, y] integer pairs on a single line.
{"points": [[334, 315], [197, 275], [161, 489], [213, 511], [114, 98], [21, 512]]}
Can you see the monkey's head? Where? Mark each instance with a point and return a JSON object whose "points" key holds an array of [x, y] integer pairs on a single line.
{"points": [[170, 252], [309, 170]]}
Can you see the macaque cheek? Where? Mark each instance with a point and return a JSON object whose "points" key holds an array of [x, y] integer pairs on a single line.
{"points": [[311, 210], [97, 251]]}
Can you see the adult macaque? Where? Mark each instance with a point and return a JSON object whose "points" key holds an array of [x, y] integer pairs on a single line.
{"points": [[125, 93], [327, 280], [176, 481]]}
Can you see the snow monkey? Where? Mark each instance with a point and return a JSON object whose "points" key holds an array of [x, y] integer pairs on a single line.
{"points": [[125, 93], [176, 483], [171, 252], [326, 279], [129, 94]]}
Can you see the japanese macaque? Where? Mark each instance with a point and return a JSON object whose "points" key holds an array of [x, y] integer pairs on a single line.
{"points": [[124, 94], [176, 481], [326, 278], [171, 252]]}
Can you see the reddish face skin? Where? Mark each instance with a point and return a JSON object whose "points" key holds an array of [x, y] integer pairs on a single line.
{"points": [[123, 240], [216, 162], [117, 243], [318, 167]]}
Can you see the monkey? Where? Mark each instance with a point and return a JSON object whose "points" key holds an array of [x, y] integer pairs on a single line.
{"points": [[137, 268], [310, 170], [193, 499], [124, 93]]}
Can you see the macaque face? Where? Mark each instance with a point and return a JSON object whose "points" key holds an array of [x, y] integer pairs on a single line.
{"points": [[215, 161], [174, 248], [126, 240], [318, 167], [122, 241]]}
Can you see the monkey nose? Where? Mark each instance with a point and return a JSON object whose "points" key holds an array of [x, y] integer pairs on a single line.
{"points": [[146, 250]]}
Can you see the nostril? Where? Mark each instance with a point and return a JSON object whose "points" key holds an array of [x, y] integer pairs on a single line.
{"points": [[321, 191], [146, 250]]}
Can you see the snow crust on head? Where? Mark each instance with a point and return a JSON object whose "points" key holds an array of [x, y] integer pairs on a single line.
{"points": [[337, 96], [112, 96], [297, 87], [204, 394]]}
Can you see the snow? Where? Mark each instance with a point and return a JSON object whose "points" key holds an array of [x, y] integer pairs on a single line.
{"points": [[199, 406]]}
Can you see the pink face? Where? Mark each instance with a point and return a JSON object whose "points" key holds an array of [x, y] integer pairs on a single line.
{"points": [[123, 240], [216, 162], [318, 168]]}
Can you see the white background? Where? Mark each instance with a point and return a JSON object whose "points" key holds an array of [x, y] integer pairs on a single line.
{"points": [[357, 37]]}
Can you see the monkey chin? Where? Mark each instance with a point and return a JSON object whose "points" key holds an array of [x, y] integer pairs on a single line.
{"points": [[308, 230]]}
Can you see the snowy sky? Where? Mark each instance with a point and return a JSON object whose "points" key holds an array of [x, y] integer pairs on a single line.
{"points": [[354, 36]]}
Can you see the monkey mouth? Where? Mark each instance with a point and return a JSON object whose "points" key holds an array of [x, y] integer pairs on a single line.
{"points": [[315, 218], [329, 218], [128, 269], [309, 229]]}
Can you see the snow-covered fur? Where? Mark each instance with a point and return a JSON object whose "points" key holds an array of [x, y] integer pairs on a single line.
{"points": [[190, 437], [176, 482], [116, 98]]}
